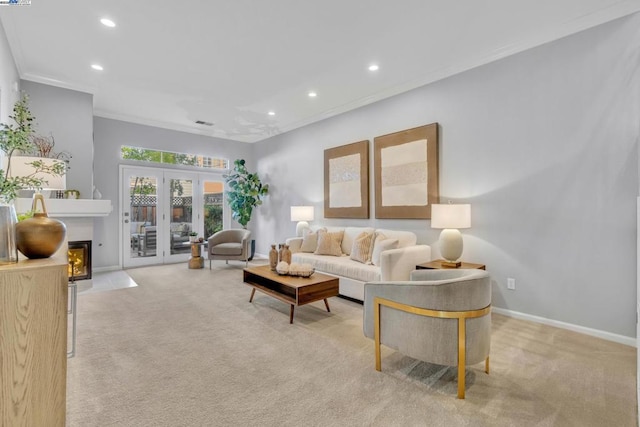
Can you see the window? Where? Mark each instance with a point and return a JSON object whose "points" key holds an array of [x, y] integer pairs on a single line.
{"points": [[168, 157]]}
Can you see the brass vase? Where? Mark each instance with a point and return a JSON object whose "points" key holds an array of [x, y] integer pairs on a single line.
{"points": [[40, 236]]}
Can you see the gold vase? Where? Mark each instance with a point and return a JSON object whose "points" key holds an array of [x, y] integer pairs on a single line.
{"points": [[40, 236]]}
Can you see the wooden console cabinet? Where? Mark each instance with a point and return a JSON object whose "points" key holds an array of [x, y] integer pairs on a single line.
{"points": [[33, 342]]}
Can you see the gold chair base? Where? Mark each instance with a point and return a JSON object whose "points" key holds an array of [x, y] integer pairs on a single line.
{"points": [[462, 333]]}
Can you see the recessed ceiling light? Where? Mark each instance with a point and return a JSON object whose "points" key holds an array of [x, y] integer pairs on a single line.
{"points": [[97, 67], [312, 94], [108, 22], [271, 113], [373, 67]]}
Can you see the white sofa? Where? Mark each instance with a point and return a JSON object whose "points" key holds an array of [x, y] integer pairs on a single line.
{"points": [[395, 264]]}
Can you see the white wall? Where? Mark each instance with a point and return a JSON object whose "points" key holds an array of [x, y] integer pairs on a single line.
{"points": [[8, 79], [110, 135], [543, 144], [67, 115]]}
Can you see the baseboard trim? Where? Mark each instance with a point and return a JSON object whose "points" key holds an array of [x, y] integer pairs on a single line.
{"points": [[621, 339], [107, 268]]}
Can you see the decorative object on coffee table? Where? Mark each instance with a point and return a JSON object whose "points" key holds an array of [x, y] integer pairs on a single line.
{"points": [[286, 254], [39, 236], [450, 217], [406, 173], [273, 257]]}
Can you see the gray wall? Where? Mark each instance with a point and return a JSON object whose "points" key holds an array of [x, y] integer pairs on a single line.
{"points": [[68, 116], [8, 76], [543, 144], [110, 135]]}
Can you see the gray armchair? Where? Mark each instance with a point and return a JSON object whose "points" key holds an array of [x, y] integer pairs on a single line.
{"points": [[439, 316], [232, 244]]}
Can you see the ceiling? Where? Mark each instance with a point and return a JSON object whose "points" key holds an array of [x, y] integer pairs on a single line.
{"points": [[171, 63]]}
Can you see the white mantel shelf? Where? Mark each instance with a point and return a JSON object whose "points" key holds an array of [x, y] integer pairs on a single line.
{"points": [[78, 208]]}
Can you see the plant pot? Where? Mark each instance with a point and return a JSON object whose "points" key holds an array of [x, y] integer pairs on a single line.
{"points": [[253, 249], [8, 220]]}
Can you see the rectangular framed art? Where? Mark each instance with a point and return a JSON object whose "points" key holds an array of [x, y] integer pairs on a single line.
{"points": [[346, 181], [406, 173]]}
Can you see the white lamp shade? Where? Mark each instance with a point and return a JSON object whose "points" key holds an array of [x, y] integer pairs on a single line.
{"points": [[451, 216], [20, 166], [301, 213]]}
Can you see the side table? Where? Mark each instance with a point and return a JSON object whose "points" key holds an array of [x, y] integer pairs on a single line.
{"points": [[437, 264], [196, 260]]}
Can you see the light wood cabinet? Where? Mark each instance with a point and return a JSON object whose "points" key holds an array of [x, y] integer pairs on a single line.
{"points": [[33, 342]]}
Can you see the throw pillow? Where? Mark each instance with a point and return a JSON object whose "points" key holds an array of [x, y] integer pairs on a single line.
{"points": [[380, 246], [329, 243], [362, 246], [310, 241]]}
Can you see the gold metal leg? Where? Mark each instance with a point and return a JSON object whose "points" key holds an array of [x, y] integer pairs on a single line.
{"points": [[291, 314], [376, 333], [253, 292], [461, 357], [326, 304], [486, 365]]}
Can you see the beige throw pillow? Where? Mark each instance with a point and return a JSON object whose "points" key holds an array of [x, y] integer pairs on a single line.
{"points": [[382, 244], [362, 246], [310, 241], [329, 243]]}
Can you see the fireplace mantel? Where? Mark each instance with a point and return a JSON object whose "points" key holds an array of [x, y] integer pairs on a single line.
{"points": [[78, 208]]}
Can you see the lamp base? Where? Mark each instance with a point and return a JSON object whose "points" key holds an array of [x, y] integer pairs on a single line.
{"points": [[451, 264], [301, 227]]}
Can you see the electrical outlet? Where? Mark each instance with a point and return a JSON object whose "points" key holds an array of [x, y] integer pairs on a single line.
{"points": [[511, 283]]}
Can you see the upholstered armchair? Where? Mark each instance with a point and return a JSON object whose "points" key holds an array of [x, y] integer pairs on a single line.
{"points": [[439, 316], [232, 244]]}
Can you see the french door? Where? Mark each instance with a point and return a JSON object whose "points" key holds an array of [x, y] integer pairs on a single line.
{"points": [[162, 208]]}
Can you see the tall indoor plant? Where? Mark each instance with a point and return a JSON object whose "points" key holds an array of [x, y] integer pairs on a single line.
{"points": [[14, 139], [245, 192]]}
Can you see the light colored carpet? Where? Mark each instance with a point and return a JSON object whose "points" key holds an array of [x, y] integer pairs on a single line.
{"points": [[186, 348]]}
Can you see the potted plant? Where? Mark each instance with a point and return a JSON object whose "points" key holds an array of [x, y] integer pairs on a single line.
{"points": [[16, 139], [193, 236], [245, 192]]}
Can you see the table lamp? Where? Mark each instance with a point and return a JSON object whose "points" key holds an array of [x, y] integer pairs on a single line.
{"points": [[302, 214], [450, 218]]}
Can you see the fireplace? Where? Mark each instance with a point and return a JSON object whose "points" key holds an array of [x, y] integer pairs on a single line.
{"points": [[80, 260]]}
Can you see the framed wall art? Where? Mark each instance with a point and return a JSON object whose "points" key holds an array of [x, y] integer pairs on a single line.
{"points": [[346, 181], [406, 173]]}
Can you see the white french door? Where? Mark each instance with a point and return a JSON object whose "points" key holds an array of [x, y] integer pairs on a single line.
{"points": [[161, 208]]}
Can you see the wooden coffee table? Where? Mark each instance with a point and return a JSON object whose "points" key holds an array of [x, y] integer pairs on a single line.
{"points": [[290, 289]]}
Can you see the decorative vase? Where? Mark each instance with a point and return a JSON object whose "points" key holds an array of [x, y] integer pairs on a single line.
{"points": [[280, 249], [40, 236], [273, 258], [8, 221], [286, 254]]}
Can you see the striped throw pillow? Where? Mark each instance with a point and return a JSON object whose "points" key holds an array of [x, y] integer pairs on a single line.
{"points": [[362, 246]]}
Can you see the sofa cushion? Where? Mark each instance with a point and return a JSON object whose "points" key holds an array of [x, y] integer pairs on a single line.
{"points": [[405, 238], [380, 245], [329, 243], [310, 241], [340, 266], [362, 247], [350, 234], [227, 249]]}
